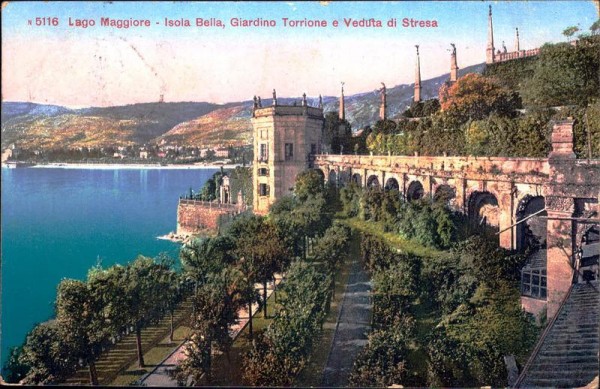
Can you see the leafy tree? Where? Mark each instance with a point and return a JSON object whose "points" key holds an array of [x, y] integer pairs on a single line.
{"points": [[565, 74], [309, 183], [350, 198], [595, 27], [383, 361], [50, 360], [78, 314], [313, 218], [385, 127], [107, 287], [217, 311], [15, 368], [202, 257], [570, 31], [332, 249], [281, 354], [474, 97], [261, 261], [173, 288], [288, 227], [337, 133], [145, 295], [422, 108], [210, 190], [394, 288], [467, 348]]}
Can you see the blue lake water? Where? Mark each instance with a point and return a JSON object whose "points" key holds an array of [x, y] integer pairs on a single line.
{"points": [[57, 223]]}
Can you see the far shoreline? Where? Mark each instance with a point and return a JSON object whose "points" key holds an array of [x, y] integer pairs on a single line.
{"points": [[120, 166]]}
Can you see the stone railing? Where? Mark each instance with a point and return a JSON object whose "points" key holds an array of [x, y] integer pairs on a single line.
{"points": [[210, 204], [501, 57], [494, 165]]}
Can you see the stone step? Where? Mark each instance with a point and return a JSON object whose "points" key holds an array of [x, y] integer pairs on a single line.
{"points": [[570, 345], [555, 383], [583, 325], [569, 348], [565, 368], [575, 352], [572, 335], [556, 357]]}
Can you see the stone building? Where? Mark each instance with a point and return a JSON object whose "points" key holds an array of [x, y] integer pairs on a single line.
{"points": [[286, 140]]}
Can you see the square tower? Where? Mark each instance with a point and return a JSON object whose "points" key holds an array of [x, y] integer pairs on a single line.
{"points": [[286, 139]]}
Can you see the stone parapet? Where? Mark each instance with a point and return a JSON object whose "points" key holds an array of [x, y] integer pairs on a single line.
{"points": [[284, 110]]}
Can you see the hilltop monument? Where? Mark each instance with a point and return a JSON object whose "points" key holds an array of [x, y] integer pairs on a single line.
{"points": [[417, 96], [453, 64], [342, 112], [383, 105]]}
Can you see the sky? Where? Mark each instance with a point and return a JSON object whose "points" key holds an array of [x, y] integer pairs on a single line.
{"points": [[58, 62]]}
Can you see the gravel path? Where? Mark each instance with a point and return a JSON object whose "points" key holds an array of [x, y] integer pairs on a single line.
{"points": [[353, 325]]}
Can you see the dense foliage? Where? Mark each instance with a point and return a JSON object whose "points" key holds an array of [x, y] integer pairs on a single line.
{"points": [[565, 74], [92, 314], [281, 353], [430, 224], [478, 315], [337, 134]]}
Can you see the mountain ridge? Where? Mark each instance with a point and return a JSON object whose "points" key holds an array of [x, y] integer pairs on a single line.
{"points": [[202, 124]]}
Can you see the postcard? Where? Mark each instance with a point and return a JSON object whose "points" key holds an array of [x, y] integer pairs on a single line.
{"points": [[323, 193]]}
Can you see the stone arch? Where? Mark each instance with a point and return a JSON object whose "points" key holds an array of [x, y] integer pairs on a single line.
{"points": [[392, 184], [333, 177], [344, 177], [357, 179], [531, 233], [445, 193], [321, 173], [415, 191], [373, 182], [484, 209]]}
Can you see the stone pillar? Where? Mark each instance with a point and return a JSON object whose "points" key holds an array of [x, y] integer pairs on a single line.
{"points": [[560, 209], [517, 45], [505, 220], [560, 250], [461, 195]]}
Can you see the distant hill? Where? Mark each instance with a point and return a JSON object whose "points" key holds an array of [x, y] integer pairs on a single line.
{"points": [[34, 126], [47, 126]]}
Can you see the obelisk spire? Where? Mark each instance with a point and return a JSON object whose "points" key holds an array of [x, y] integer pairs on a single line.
{"points": [[517, 45], [383, 106], [417, 97], [489, 52], [453, 64], [342, 112]]}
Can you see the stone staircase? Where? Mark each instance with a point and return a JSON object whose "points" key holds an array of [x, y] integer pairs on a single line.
{"points": [[568, 356]]}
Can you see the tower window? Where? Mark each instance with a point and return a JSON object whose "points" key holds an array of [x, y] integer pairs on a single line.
{"points": [[264, 153], [289, 151], [263, 190], [313, 148], [263, 171]]}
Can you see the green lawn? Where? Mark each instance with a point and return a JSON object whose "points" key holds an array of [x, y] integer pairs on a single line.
{"points": [[394, 239]]}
